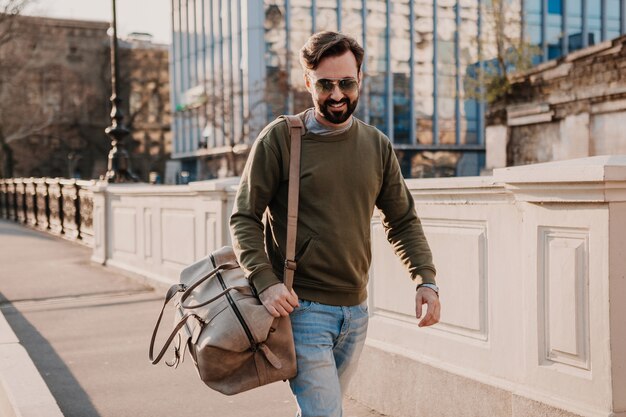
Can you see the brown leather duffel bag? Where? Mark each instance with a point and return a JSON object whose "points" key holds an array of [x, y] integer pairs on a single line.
{"points": [[235, 344]]}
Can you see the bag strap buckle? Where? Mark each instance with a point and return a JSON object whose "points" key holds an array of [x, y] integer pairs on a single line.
{"points": [[290, 264]]}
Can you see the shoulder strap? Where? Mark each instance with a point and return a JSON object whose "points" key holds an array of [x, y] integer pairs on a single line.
{"points": [[296, 128]]}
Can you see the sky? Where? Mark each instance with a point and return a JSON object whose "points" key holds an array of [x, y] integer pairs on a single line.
{"points": [[151, 16]]}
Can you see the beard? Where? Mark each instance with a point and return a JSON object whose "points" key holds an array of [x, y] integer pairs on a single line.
{"points": [[337, 116]]}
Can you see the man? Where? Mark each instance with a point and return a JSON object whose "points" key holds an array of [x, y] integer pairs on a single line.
{"points": [[347, 168]]}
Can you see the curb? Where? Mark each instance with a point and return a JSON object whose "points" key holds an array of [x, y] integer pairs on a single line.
{"points": [[23, 392]]}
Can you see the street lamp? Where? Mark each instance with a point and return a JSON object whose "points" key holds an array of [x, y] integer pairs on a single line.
{"points": [[118, 168]]}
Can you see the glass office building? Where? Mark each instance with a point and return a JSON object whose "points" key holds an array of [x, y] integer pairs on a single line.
{"points": [[558, 27], [235, 68]]}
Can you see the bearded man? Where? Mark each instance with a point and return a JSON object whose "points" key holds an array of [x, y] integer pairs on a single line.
{"points": [[347, 169]]}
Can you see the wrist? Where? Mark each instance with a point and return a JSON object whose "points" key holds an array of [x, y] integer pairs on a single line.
{"points": [[431, 286]]}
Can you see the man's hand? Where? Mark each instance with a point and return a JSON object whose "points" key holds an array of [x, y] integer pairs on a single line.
{"points": [[278, 300], [425, 295]]}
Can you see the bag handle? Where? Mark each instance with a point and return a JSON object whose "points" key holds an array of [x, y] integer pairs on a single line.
{"points": [[171, 337], [188, 290], [296, 129], [171, 293], [174, 289]]}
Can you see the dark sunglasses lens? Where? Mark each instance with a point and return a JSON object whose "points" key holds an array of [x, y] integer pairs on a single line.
{"points": [[347, 85], [324, 86]]}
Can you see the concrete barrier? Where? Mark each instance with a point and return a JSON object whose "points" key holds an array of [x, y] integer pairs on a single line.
{"points": [[23, 392], [531, 268]]}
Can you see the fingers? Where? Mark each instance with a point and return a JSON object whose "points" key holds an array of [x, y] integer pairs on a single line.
{"points": [[418, 307], [292, 299], [278, 301], [428, 320], [283, 307], [270, 309], [433, 312]]}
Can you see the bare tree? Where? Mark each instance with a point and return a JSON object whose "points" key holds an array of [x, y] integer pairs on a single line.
{"points": [[43, 99], [145, 88], [504, 53], [8, 10]]}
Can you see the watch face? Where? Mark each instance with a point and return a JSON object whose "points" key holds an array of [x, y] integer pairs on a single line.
{"points": [[431, 286]]}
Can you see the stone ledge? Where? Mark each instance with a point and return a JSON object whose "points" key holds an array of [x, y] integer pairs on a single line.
{"points": [[403, 387], [582, 170], [23, 392]]}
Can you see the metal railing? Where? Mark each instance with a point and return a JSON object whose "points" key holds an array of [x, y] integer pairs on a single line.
{"points": [[59, 206]]}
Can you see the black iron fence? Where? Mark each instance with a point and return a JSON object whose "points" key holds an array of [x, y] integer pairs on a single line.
{"points": [[59, 206]]}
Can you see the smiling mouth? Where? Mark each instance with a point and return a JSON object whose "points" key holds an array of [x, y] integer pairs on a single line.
{"points": [[336, 106]]}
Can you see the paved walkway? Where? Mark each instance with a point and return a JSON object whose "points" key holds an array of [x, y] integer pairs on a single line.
{"points": [[87, 329]]}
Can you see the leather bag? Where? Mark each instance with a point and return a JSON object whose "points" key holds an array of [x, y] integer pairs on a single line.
{"points": [[235, 344]]}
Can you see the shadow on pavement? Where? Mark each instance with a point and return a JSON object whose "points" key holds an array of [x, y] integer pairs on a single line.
{"points": [[25, 231], [70, 396]]}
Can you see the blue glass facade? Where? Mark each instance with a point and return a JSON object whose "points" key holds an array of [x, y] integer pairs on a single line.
{"points": [[558, 27], [229, 79]]}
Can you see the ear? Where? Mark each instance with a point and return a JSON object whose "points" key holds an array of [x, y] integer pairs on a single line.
{"points": [[360, 78], [307, 82]]}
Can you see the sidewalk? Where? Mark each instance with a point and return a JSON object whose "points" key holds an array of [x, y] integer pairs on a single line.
{"points": [[87, 329]]}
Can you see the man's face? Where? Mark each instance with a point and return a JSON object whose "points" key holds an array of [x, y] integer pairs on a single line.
{"points": [[334, 87]]}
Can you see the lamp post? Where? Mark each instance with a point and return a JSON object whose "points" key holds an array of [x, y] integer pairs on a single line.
{"points": [[118, 168]]}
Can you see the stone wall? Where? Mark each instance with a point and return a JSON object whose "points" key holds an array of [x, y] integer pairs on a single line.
{"points": [[530, 262], [567, 108], [53, 98], [145, 91], [55, 88]]}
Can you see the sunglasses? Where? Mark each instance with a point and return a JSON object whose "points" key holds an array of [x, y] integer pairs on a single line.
{"points": [[327, 85]]}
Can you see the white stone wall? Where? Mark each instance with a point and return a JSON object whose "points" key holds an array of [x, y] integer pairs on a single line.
{"points": [[155, 231], [531, 268], [526, 264]]}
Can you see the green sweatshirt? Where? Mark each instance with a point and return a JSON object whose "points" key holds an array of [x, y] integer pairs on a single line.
{"points": [[342, 179]]}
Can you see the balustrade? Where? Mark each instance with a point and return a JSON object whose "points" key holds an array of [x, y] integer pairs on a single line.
{"points": [[30, 201], [43, 211], [20, 200], [63, 207]]}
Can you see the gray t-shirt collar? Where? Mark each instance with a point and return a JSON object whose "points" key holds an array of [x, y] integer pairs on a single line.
{"points": [[315, 127]]}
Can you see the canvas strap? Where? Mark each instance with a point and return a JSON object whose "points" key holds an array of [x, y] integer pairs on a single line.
{"points": [[296, 129]]}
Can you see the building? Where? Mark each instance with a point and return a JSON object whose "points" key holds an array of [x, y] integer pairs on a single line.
{"points": [[568, 108], [52, 112], [55, 88], [559, 27], [145, 90], [570, 104], [235, 68]]}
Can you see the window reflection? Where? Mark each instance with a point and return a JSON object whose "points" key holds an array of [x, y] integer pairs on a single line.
{"points": [[275, 60], [400, 67], [376, 57], [574, 25], [613, 18]]}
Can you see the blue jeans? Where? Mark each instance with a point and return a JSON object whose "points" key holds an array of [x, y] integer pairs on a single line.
{"points": [[329, 340]]}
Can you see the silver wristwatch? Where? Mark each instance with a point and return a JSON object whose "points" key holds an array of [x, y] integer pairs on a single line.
{"points": [[431, 286]]}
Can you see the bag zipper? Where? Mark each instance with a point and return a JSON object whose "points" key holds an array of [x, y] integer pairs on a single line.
{"points": [[246, 329]]}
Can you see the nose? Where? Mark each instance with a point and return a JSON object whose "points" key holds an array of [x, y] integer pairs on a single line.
{"points": [[336, 94]]}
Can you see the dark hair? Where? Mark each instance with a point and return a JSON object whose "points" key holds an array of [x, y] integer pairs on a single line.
{"points": [[324, 44]]}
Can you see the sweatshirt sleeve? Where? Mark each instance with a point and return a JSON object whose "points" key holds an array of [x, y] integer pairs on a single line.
{"points": [[402, 226], [258, 185]]}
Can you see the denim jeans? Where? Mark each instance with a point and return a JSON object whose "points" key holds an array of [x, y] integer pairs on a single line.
{"points": [[329, 340]]}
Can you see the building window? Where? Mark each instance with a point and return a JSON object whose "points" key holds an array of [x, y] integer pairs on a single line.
{"points": [[574, 29], [613, 14], [555, 6], [582, 20]]}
